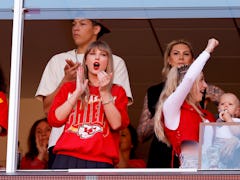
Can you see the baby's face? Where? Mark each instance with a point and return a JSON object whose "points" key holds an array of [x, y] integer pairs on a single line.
{"points": [[230, 103]]}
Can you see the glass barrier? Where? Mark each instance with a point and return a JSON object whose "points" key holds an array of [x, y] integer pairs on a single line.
{"points": [[220, 146]]}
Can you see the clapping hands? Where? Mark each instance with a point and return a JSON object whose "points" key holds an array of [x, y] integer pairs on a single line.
{"points": [[42, 145], [81, 83], [104, 80]]}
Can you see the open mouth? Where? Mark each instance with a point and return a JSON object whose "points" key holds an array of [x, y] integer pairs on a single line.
{"points": [[96, 65], [202, 91]]}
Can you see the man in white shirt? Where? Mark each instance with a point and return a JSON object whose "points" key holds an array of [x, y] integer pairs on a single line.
{"points": [[62, 68]]}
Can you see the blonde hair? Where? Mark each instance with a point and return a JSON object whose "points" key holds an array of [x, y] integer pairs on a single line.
{"points": [[167, 66], [174, 78], [233, 95], [103, 46]]}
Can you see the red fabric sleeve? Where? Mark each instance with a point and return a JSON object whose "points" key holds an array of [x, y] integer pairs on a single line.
{"points": [[3, 113], [121, 104], [59, 99]]}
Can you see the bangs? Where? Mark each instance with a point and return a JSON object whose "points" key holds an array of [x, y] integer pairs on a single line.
{"points": [[101, 46]]}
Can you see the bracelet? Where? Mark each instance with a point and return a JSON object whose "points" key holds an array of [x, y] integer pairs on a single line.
{"points": [[107, 102]]}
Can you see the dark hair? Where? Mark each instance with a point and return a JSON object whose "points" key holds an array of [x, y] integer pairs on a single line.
{"points": [[134, 139], [33, 151], [3, 86], [104, 29]]}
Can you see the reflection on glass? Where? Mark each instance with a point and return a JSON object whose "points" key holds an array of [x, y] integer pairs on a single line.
{"points": [[220, 148]]}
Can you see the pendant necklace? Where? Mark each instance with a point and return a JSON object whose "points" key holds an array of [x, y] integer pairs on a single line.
{"points": [[76, 56]]}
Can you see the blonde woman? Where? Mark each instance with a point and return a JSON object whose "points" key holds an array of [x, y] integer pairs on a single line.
{"points": [[178, 111], [178, 52]]}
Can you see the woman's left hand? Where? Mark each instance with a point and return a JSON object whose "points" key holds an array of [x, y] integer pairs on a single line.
{"points": [[104, 81]]}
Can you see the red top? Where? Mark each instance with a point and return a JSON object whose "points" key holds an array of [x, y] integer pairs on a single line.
{"points": [[136, 163], [3, 112], [36, 163], [188, 129], [87, 134]]}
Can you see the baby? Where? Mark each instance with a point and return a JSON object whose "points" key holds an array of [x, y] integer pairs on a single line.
{"points": [[229, 108], [226, 145]]}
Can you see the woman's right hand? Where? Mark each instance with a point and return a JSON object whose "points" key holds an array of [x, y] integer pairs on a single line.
{"points": [[212, 44], [81, 83]]}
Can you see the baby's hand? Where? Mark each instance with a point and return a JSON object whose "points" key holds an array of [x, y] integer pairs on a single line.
{"points": [[225, 116]]}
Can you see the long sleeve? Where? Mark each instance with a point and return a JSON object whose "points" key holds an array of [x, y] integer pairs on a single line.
{"points": [[59, 99], [3, 113], [172, 105]]}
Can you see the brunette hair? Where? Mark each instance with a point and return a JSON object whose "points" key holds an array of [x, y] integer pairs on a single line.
{"points": [[134, 139], [32, 146]]}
